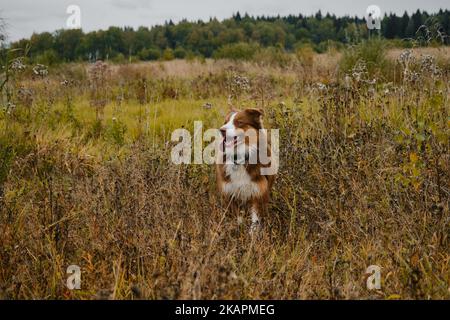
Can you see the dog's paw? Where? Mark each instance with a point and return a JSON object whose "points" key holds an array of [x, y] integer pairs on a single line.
{"points": [[255, 228]]}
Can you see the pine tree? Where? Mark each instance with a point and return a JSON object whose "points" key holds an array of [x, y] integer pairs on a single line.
{"points": [[403, 25], [410, 31]]}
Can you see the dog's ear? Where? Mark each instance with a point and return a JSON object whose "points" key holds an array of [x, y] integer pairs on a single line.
{"points": [[257, 113]]}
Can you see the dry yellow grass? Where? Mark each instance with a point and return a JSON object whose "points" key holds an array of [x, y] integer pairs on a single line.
{"points": [[364, 180]]}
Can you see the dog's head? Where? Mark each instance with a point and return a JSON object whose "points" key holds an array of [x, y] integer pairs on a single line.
{"points": [[240, 131]]}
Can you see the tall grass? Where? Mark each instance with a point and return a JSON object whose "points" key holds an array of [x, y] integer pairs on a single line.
{"points": [[364, 180], [372, 53]]}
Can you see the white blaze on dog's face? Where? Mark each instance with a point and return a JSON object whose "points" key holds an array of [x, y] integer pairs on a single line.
{"points": [[240, 131], [229, 132]]}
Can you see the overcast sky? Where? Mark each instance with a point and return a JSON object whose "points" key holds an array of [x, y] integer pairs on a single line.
{"points": [[24, 17]]}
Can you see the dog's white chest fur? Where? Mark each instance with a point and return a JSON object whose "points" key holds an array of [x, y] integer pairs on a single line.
{"points": [[240, 185]]}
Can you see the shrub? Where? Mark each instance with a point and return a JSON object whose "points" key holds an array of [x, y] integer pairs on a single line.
{"points": [[274, 56], [168, 54], [119, 58], [190, 56], [48, 58], [179, 53], [236, 51], [149, 54], [372, 52], [305, 55]]}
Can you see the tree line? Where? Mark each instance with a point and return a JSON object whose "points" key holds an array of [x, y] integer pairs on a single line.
{"points": [[235, 37]]}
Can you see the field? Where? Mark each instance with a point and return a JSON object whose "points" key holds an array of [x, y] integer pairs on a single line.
{"points": [[86, 179]]}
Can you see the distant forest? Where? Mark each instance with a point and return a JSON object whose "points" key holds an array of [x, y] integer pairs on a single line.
{"points": [[236, 37]]}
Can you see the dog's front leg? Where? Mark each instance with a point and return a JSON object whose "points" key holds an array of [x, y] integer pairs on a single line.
{"points": [[256, 223]]}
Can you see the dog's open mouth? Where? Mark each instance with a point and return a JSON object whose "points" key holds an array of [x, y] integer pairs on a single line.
{"points": [[229, 143]]}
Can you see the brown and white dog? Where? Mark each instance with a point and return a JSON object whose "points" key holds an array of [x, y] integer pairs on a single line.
{"points": [[238, 168]]}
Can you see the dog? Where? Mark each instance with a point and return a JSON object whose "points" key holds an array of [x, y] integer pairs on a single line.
{"points": [[239, 167]]}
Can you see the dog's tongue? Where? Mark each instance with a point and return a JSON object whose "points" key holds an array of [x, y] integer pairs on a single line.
{"points": [[229, 143]]}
